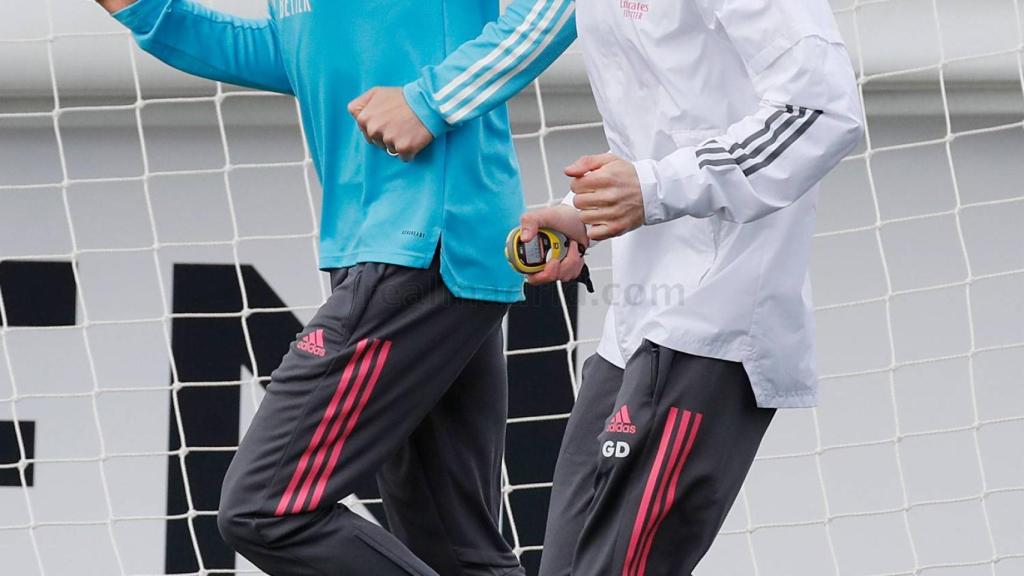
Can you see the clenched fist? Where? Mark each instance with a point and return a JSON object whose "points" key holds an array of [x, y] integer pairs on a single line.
{"points": [[608, 195], [386, 120]]}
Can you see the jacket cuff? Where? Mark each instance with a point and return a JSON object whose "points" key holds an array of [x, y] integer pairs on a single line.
{"points": [[417, 99], [142, 16], [654, 209]]}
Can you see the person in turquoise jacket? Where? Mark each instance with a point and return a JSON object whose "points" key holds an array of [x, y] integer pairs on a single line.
{"points": [[400, 375], [463, 193]]}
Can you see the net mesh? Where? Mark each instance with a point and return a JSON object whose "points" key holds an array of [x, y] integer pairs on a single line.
{"points": [[912, 465]]}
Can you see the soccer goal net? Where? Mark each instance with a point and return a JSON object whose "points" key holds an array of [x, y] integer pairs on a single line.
{"points": [[158, 248]]}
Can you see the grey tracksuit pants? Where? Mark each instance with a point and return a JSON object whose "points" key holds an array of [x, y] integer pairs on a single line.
{"points": [[652, 459], [394, 378]]}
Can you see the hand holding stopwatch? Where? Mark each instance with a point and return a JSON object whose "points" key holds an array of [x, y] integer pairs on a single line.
{"points": [[532, 256]]}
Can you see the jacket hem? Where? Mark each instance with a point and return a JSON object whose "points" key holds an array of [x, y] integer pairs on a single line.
{"points": [[805, 396], [465, 290], [472, 291], [766, 395], [396, 257], [787, 401]]}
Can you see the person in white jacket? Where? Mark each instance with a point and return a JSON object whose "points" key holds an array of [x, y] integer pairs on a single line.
{"points": [[722, 116]]}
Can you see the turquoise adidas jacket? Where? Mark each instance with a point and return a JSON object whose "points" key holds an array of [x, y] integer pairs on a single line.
{"points": [[463, 191]]}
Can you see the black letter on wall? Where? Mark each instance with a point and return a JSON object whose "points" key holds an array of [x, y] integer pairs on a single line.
{"points": [[538, 384], [212, 350], [34, 294]]}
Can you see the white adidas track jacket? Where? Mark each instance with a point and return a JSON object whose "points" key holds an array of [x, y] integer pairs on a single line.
{"points": [[732, 111]]}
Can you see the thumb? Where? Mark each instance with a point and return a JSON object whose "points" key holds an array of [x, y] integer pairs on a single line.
{"points": [[529, 223], [588, 164], [356, 106]]}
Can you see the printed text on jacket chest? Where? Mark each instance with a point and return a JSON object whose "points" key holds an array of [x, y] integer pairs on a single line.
{"points": [[286, 8], [634, 10]]}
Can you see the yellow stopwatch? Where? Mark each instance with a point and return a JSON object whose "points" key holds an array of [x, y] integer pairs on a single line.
{"points": [[531, 257], [547, 246]]}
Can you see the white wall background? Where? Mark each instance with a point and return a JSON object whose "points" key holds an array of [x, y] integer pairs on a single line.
{"points": [[913, 462]]}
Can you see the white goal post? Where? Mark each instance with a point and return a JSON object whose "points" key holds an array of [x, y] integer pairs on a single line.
{"points": [[144, 214]]}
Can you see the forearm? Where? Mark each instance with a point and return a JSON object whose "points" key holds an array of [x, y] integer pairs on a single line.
{"points": [[808, 121], [207, 43], [486, 71]]}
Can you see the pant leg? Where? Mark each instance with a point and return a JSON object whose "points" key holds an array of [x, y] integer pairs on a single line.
{"points": [[441, 490], [664, 488], [573, 488], [372, 364]]}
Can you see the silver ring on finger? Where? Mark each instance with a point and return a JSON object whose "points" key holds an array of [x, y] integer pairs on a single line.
{"points": [[392, 153]]}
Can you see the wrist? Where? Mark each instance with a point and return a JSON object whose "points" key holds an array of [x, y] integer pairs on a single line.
{"points": [[573, 223], [418, 102], [650, 189], [570, 211], [115, 5]]}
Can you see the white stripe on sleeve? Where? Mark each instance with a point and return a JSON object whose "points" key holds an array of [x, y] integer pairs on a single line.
{"points": [[522, 51], [498, 50], [463, 111]]}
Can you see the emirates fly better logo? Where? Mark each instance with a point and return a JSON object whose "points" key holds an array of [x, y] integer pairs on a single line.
{"points": [[634, 10]]}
